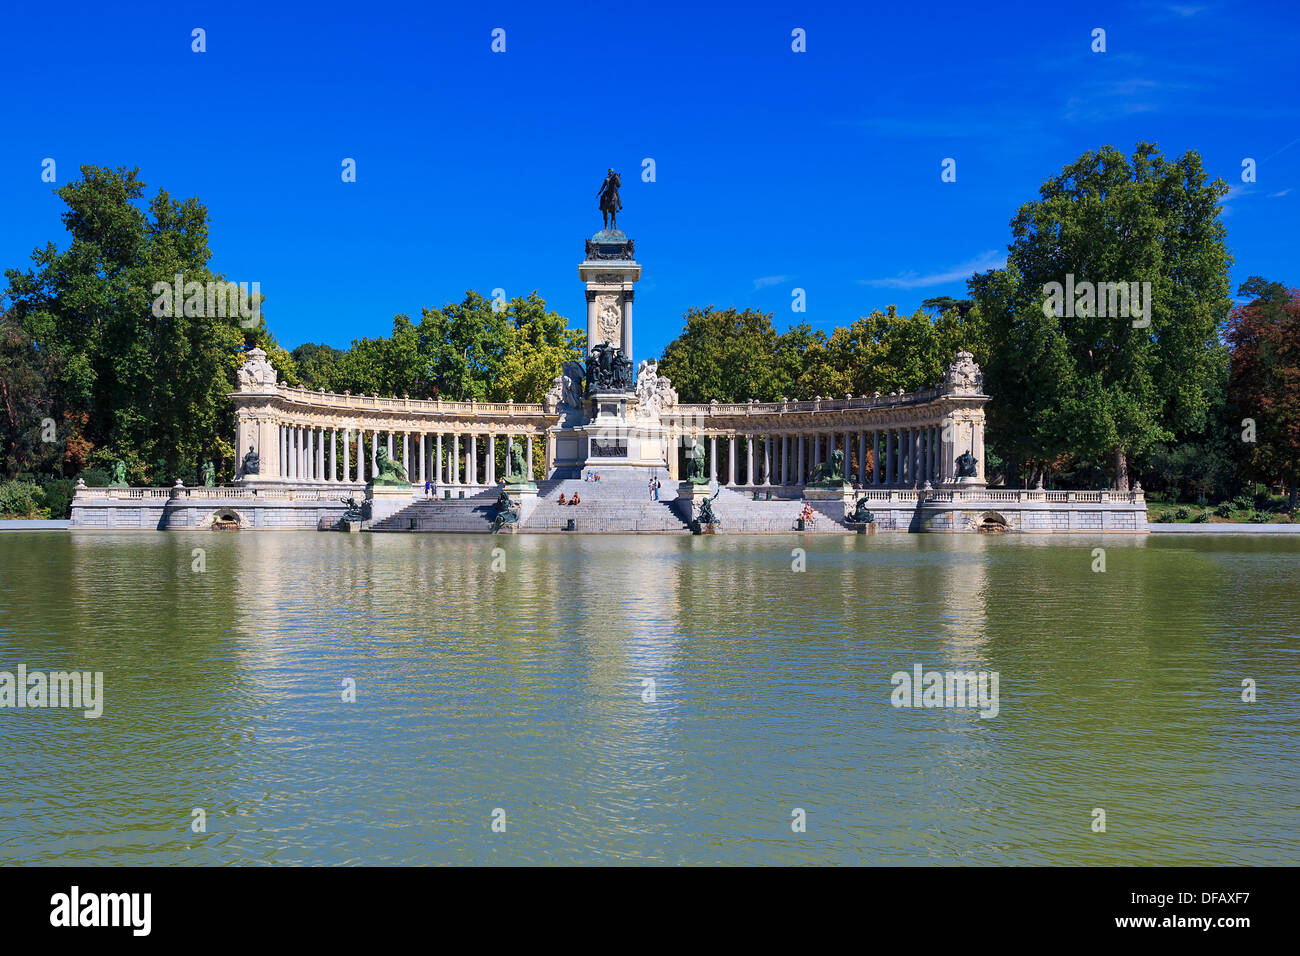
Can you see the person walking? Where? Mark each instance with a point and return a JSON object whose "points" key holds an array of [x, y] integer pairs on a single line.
{"points": [[428, 489]]}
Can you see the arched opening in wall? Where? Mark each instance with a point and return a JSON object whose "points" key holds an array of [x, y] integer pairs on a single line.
{"points": [[990, 522], [225, 521]]}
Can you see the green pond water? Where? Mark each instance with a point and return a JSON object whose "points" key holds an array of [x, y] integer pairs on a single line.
{"points": [[515, 681]]}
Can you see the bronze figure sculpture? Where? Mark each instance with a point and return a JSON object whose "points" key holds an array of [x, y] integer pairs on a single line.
{"points": [[610, 204], [966, 465], [830, 472], [390, 471]]}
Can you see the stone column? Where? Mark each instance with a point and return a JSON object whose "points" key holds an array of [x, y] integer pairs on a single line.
{"points": [[977, 447], [802, 441], [785, 460], [528, 456], [437, 461], [627, 324], [361, 456], [848, 458], [492, 458], [374, 453], [713, 458], [471, 461], [731, 459], [749, 460], [591, 320], [454, 461], [889, 457], [423, 457]]}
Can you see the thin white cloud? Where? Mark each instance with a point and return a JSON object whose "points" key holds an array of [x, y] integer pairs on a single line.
{"points": [[765, 281], [1278, 194], [958, 273]]}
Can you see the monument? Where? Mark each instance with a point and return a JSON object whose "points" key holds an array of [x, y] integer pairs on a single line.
{"points": [[609, 416]]}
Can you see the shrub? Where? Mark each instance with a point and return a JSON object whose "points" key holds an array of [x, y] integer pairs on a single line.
{"points": [[96, 478], [1243, 503], [1164, 517], [1182, 514], [1201, 517], [19, 499], [1224, 510], [56, 496], [1258, 517]]}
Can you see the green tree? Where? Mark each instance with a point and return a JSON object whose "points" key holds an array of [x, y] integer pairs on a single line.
{"points": [[316, 365], [1092, 385], [462, 350], [725, 355], [150, 388]]}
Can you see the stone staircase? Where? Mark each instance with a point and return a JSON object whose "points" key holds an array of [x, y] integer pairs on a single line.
{"points": [[740, 513], [617, 503], [471, 515]]}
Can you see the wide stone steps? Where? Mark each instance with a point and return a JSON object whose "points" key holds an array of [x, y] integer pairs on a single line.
{"points": [[740, 513], [613, 506], [620, 503], [460, 515]]}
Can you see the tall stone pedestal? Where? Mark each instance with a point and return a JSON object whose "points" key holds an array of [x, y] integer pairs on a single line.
{"points": [[844, 493], [387, 500]]}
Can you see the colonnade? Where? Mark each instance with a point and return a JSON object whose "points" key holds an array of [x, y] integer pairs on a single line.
{"points": [[350, 455], [896, 457]]}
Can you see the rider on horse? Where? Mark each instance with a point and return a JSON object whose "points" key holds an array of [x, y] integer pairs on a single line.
{"points": [[610, 204]]}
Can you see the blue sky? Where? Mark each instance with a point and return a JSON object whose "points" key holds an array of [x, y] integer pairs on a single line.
{"points": [[774, 169]]}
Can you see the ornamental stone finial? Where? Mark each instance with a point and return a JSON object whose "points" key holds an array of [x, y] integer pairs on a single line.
{"points": [[963, 376], [256, 374]]}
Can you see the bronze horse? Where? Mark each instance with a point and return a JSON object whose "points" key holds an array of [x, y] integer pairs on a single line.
{"points": [[610, 204]]}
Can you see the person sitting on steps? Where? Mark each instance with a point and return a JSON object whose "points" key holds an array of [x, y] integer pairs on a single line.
{"points": [[576, 499], [562, 501]]}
